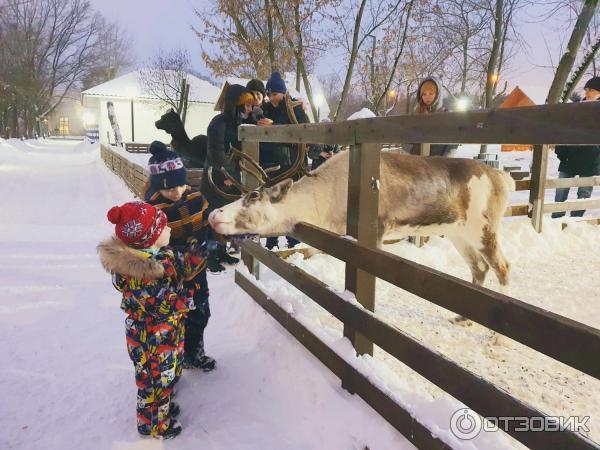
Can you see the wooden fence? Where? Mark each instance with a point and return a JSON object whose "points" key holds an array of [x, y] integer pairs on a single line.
{"points": [[135, 175], [567, 341]]}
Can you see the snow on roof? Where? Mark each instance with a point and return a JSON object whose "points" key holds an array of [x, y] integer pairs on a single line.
{"points": [[128, 86], [364, 113], [290, 83]]}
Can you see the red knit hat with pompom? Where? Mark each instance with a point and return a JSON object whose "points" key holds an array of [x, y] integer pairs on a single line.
{"points": [[137, 224]]}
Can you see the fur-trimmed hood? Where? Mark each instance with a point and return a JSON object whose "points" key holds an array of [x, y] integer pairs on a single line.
{"points": [[116, 257]]}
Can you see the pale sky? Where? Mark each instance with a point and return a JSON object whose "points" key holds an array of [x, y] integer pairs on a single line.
{"points": [[154, 23]]}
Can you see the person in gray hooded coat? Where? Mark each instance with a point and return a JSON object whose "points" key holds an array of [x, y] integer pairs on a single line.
{"points": [[430, 100]]}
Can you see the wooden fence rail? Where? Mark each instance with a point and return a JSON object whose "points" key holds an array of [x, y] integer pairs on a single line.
{"points": [[567, 341], [479, 394]]}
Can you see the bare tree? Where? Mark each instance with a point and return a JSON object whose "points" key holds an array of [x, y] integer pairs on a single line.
{"points": [[50, 47], [248, 37], [568, 59], [350, 22], [165, 74]]}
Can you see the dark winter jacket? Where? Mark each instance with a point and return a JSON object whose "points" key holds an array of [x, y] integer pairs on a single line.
{"points": [[223, 133], [583, 160], [276, 153], [315, 150]]}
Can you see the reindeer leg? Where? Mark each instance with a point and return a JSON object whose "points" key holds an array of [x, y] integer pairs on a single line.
{"points": [[494, 256], [479, 269]]}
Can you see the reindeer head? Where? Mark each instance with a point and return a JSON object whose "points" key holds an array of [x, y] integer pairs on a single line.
{"points": [[169, 121], [262, 211]]}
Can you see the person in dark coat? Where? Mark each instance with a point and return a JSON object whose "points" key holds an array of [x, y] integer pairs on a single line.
{"points": [[277, 153], [579, 160], [222, 134], [319, 153]]}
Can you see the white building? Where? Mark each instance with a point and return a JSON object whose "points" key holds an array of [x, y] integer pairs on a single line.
{"points": [[290, 83], [137, 110]]}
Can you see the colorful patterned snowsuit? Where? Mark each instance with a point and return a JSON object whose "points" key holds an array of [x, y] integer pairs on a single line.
{"points": [[154, 330]]}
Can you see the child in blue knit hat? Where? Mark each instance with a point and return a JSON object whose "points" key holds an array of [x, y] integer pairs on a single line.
{"points": [[185, 209]]}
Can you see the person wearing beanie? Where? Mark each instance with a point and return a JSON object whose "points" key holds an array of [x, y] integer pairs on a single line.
{"points": [[277, 112], [149, 275], [592, 89], [166, 168], [185, 209], [579, 160], [257, 88]]}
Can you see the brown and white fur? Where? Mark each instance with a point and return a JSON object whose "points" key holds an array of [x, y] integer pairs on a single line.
{"points": [[419, 196], [116, 257]]}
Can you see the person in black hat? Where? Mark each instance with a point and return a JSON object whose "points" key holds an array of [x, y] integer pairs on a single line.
{"points": [[186, 211], [582, 160], [273, 154]]}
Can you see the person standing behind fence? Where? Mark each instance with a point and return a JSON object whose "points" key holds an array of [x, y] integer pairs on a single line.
{"points": [[222, 134], [279, 111], [319, 153], [430, 100], [579, 160]]}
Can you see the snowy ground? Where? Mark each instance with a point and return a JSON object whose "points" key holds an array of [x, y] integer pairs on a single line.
{"points": [[67, 382]]}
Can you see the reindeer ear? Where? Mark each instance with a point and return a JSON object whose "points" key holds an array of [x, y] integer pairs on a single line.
{"points": [[278, 192]]}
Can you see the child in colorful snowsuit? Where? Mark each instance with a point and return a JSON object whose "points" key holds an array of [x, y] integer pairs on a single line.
{"points": [[186, 211], [150, 277]]}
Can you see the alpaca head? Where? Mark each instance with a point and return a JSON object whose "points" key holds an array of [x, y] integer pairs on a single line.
{"points": [[169, 122]]}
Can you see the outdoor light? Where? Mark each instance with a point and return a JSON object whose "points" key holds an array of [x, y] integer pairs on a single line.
{"points": [[392, 93], [462, 104], [494, 77]]}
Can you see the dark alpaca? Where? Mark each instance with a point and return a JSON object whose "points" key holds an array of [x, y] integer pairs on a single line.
{"points": [[194, 150]]}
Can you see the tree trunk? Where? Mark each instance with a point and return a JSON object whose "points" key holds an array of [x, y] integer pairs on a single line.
{"points": [[397, 58], [351, 62], [271, 43], [114, 123], [492, 76], [568, 59]]}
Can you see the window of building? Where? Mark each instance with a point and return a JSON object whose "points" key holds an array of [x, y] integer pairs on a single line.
{"points": [[63, 126]]}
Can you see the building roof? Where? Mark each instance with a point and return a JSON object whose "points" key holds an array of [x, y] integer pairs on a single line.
{"points": [[129, 86], [290, 82], [516, 98]]}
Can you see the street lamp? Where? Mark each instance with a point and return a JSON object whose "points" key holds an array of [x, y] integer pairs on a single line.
{"points": [[462, 104]]}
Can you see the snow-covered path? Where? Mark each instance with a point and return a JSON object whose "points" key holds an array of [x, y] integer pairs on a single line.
{"points": [[67, 382]]}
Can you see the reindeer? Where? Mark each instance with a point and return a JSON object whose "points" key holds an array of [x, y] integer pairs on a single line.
{"points": [[194, 149], [419, 196]]}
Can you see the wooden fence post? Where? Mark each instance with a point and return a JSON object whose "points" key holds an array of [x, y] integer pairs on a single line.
{"points": [[363, 224], [537, 188], [251, 149]]}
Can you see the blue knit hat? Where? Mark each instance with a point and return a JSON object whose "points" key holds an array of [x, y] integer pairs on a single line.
{"points": [[166, 168], [276, 83]]}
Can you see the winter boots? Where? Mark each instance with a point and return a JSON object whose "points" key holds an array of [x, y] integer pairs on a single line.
{"points": [[204, 363]]}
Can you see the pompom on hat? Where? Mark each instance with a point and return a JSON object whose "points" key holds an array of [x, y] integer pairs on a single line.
{"points": [[166, 167], [137, 224]]}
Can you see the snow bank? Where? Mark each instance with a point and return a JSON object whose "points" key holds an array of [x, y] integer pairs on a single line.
{"points": [[364, 113]]}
